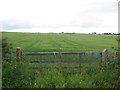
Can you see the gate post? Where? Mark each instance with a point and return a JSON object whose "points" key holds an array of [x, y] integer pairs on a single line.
{"points": [[104, 54], [18, 53]]}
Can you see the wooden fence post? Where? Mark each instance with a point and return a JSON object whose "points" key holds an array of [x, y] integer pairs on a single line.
{"points": [[104, 54], [18, 53], [80, 62]]}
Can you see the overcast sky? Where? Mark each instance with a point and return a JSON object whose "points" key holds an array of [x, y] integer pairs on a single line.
{"points": [[82, 16]]}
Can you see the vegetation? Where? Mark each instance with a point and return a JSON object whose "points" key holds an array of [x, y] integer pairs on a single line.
{"points": [[88, 78], [6, 49], [22, 75], [19, 75], [16, 75], [34, 42]]}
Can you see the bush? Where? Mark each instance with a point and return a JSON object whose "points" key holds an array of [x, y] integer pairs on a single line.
{"points": [[6, 49], [17, 75]]}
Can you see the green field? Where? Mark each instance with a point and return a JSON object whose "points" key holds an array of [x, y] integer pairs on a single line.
{"points": [[24, 74], [61, 42]]}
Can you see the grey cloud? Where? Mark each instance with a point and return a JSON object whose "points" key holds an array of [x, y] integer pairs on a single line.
{"points": [[10, 24]]}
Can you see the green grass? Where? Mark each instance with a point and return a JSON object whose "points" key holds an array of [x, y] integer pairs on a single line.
{"points": [[87, 78], [21, 74], [61, 42]]}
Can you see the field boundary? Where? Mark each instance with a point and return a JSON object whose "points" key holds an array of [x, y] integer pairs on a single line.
{"points": [[101, 57], [19, 54]]}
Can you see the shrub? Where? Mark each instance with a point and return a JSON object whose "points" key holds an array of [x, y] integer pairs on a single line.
{"points": [[17, 75], [6, 49]]}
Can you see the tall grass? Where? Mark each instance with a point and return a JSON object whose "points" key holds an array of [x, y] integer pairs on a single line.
{"points": [[88, 78], [20, 75], [16, 75]]}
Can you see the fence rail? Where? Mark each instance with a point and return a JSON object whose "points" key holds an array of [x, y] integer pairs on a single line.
{"points": [[58, 53], [102, 56], [62, 61], [20, 54]]}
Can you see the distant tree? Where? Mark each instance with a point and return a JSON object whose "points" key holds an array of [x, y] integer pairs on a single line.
{"points": [[94, 33]]}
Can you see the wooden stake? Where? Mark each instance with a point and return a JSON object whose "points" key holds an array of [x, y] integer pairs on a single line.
{"points": [[104, 54], [18, 53]]}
